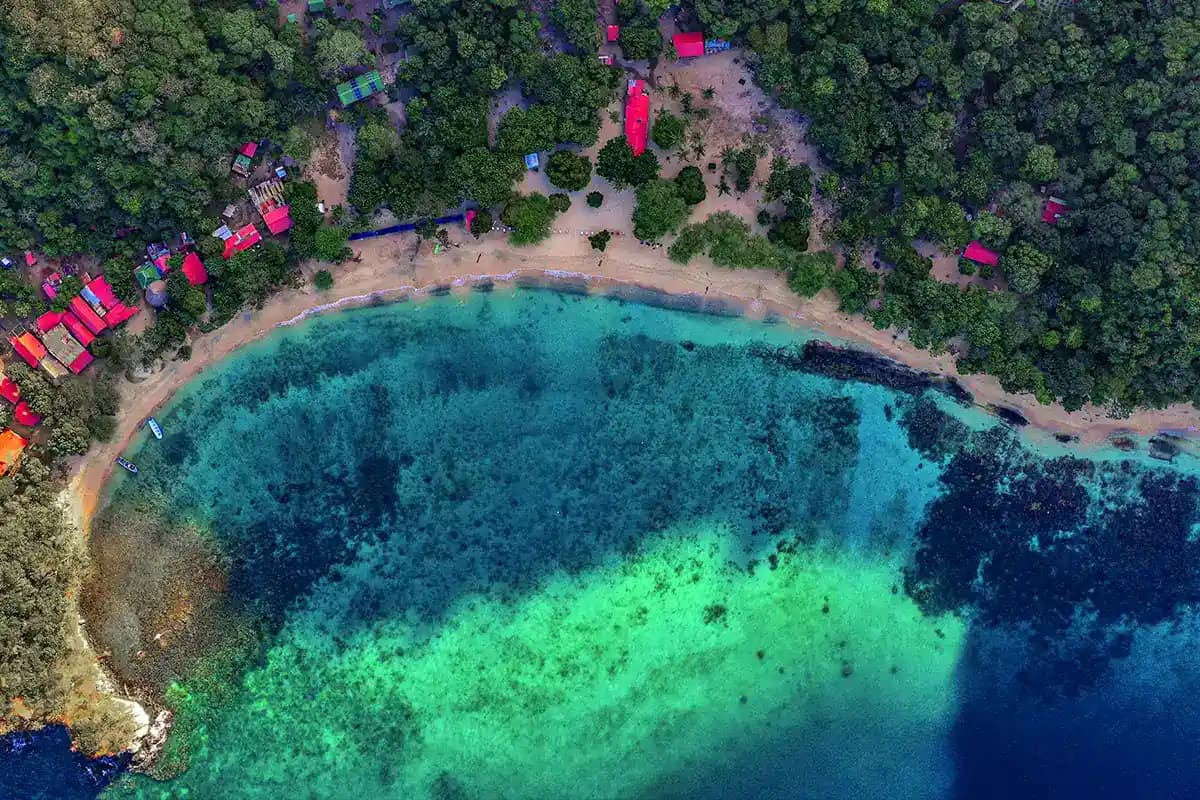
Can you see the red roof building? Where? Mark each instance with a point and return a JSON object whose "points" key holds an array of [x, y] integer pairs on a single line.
{"points": [[29, 348], [688, 45], [24, 415], [30, 258], [614, 32], [248, 149], [193, 269], [87, 316], [637, 116], [119, 313], [100, 288], [244, 239], [1054, 211], [278, 219], [48, 320], [77, 329], [9, 389], [981, 255]]}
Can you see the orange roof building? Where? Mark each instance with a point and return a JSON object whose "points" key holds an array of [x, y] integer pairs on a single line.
{"points": [[11, 446], [29, 348]]}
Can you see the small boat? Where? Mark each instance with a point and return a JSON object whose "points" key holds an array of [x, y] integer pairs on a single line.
{"points": [[127, 464], [154, 427]]}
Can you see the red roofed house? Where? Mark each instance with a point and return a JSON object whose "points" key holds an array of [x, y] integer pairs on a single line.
{"points": [[99, 289], [278, 219], [103, 293], [78, 329], [11, 446], [688, 45], [9, 389], [981, 255], [1054, 211], [614, 32], [119, 313], [30, 258], [29, 348], [243, 239], [193, 269], [24, 415], [87, 316], [637, 116], [48, 320]]}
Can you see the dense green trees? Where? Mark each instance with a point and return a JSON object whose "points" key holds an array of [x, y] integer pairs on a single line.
{"points": [[568, 170], [621, 167], [640, 41], [928, 113], [529, 216], [667, 130], [117, 115], [660, 209]]}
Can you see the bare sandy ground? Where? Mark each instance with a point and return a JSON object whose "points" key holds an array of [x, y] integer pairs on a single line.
{"points": [[390, 270]]}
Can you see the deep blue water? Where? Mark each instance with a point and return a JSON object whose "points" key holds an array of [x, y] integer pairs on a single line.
{"points": [[510, 436]]}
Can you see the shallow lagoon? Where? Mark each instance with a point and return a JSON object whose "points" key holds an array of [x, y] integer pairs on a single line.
{"points": [[545, 545]]}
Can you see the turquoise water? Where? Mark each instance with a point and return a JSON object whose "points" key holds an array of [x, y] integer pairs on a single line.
{"points": [[544, 545]]}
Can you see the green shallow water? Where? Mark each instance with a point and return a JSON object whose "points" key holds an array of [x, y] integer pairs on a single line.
{"points": [[543, 545]]}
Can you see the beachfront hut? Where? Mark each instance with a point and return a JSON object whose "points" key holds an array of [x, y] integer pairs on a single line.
{"points": [[532, 161], [11, 447], [316, 6], [156, 294], [146, 274], [614, 32], [360, 87], [981, 255], [87, 315], [688, 45], [637, 116], [715, 46], [30, 258]]}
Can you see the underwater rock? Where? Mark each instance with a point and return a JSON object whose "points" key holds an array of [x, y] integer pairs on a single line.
{"points": [[1123, 443], [1009, 416], [1066, 438], [1164, 448]]}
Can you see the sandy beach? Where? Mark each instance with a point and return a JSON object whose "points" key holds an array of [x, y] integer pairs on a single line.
{"points": [[390, 269]]}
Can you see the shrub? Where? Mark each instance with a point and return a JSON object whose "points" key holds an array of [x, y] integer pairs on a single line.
{"points": [[560, 202], [569, 171], [690, 182], [600, 240], [595, 199], [323, 280], [482, 223], [667, 131]]}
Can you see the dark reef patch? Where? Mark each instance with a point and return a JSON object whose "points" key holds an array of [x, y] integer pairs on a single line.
{"points": [[1023, 542]]}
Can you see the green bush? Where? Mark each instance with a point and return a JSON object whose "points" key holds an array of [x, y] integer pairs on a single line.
{"points": [[569, 171], [323, 280], [595, 199]]}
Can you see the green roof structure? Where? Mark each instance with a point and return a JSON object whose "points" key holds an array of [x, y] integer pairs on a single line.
{"points": [[291, 17], [316, 6], [146, 274], [356, 89]]}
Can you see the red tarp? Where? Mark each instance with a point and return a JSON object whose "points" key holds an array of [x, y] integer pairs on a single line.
{"points": [[1054, 211], [25, 415], [11, 446], [244, 239], [248, 149], [77, 329], [9, 389], [119, 313], [104, 293], [981, 255], [48, 320], [30, 258], [29, 348], [86, 315], [637, 116], [194, 269], [689, 45], [614, 32], [278, 219]]}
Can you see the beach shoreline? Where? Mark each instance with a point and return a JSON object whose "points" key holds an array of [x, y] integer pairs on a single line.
{"points": [[629, 272]]}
